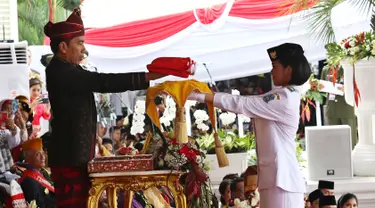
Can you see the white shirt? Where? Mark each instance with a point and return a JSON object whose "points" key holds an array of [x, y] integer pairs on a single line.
{"points": [[276, 117]]}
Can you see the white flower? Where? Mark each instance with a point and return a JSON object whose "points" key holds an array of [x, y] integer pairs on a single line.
{"points": [[140, 107], [227, 118], [245, 119], [139, 117], [354, 50], [203, 127], [200, 116], [134, 130], [190, 103], [352, 43], [373, 51]]}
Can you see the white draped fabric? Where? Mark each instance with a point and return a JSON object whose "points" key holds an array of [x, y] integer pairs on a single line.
{"points": [[232, 47]]}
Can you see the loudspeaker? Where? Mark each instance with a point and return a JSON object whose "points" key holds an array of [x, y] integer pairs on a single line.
{"points": [[329, 150]]}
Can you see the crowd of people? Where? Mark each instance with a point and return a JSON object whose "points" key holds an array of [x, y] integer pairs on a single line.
{"points": [[324, 197], [23, 147]]}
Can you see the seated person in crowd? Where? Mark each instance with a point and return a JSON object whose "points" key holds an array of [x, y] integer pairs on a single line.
{"points": [[314, 198], [237, 189], [108, 143], [327, 202], [34, 185], [327, 187], [348, 200], [9, 138], [225, 193], [231, 176], [115, 135]]}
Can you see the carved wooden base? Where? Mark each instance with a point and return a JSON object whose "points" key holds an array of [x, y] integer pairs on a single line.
{"points": [[131, 182]]}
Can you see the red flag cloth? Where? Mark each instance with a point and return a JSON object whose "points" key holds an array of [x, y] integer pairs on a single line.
{"points": [[180, 67]]}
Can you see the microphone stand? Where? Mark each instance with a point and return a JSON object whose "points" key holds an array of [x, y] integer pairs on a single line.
{"points": [[212, 82]]}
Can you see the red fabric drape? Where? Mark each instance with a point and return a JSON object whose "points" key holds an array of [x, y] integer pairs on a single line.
{"points": [[150, 31], [209, 15], [264, 9]]}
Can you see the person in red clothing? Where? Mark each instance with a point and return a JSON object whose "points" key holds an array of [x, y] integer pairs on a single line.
{"points": [[40, 109]]}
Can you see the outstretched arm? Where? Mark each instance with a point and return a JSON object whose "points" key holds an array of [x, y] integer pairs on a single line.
{"points": [[271, 106], [66, 77]]}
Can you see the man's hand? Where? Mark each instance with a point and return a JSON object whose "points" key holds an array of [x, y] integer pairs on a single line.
{"points": [[153, 76]]}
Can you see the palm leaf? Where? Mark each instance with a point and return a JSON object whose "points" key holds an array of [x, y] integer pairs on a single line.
{"points": [[68, 4], [319, 20], [363, 6]]}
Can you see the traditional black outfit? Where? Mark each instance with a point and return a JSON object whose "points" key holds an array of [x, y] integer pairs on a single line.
{"points": [[70, 89]]}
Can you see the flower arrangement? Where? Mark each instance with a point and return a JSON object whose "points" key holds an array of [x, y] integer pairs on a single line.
{"points": [[232, 142], [312, 94], [353, 49], [189, 159]]}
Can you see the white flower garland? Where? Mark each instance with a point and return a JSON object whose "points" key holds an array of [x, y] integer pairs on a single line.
{"points": [[200, 117], [169, 113], [138, 118]]}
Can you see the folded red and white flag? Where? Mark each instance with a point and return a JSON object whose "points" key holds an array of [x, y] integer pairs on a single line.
{"points": [[176, 66]]}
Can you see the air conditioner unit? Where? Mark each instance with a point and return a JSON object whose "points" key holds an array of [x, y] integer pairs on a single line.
{"points": [[14, 72]]}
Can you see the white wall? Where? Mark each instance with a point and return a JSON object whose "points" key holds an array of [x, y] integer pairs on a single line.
{"points": [[8, 20]]}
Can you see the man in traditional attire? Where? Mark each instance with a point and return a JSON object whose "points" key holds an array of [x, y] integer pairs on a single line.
{"points": [[74, 120], [34, 185]]}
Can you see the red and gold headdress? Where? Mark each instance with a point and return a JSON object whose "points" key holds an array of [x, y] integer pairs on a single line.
{"points": [[72, 27]]}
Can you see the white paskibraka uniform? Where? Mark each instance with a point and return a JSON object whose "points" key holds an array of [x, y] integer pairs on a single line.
{"points": [[276, 118]]}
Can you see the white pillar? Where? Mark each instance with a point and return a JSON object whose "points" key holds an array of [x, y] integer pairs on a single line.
{"points": [[364, 151]]}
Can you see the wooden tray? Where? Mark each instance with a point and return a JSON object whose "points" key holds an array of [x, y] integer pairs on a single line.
{"points": [[140, 162]]}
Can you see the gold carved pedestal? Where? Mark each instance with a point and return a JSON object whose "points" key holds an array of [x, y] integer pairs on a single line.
{"points": [[131, 182]]}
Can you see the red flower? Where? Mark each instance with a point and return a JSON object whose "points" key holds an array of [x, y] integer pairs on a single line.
{"points": [[190, 154], [360, 37], [347, 45]]}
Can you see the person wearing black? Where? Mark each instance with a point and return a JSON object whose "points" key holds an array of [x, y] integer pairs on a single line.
{"points": [[71, 89]]}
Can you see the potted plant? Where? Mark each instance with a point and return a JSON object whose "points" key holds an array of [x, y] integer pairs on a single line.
{"points": [[236, 148], [356, 55]]}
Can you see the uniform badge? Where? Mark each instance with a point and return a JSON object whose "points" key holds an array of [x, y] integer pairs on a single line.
{"points": [[46, 191], [270, 97], [273, 54], [291, 89]]}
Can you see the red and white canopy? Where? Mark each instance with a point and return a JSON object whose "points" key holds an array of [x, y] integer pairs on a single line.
{"points": [[231, 38]]}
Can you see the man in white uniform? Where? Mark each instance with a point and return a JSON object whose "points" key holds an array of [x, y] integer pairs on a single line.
{"points": [[276, 117]]}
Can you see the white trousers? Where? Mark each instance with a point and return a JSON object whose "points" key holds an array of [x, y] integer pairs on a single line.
{"points": [[279, 198]]}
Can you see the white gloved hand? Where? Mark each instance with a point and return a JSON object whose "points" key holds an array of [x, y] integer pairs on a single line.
{"points": [[197, 96]]}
